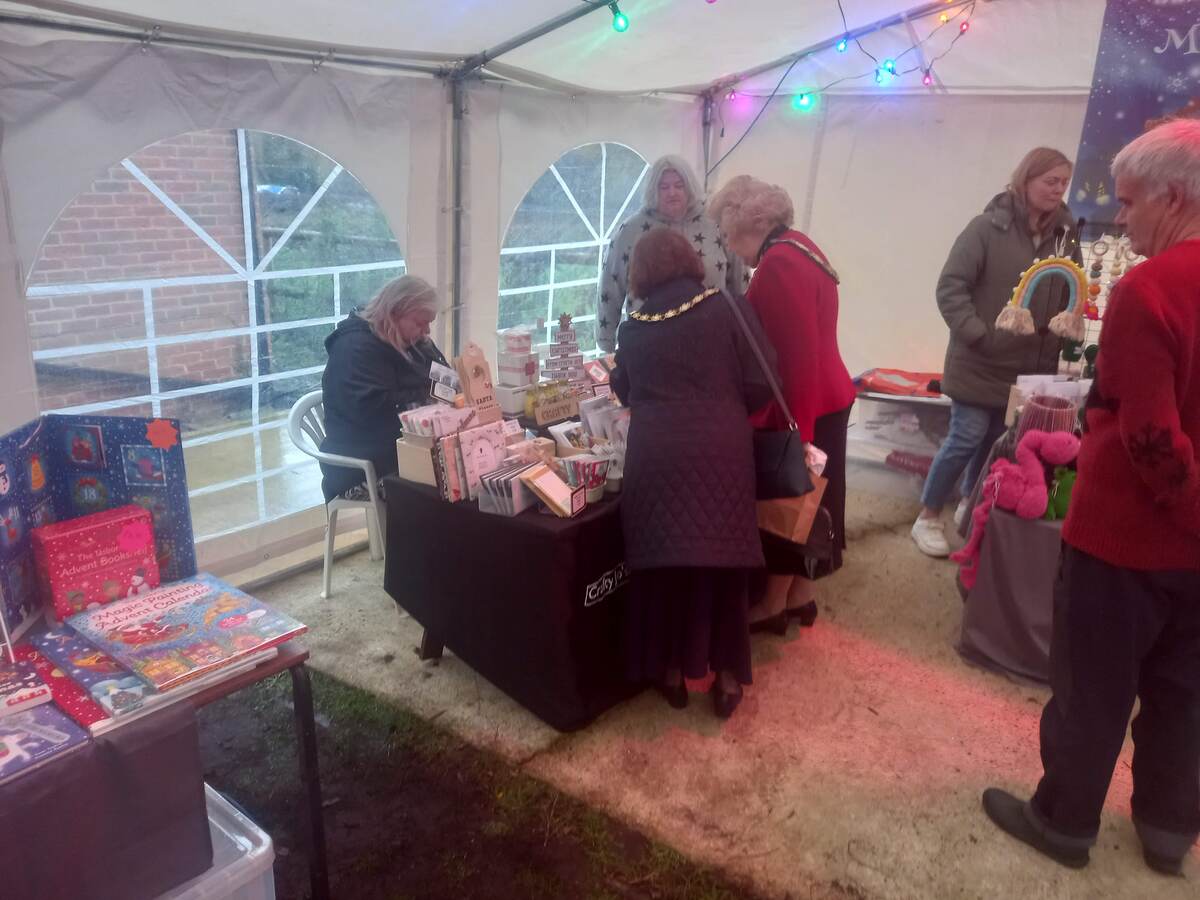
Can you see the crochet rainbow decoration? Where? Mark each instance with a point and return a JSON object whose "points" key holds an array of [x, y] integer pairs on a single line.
{"points": [[1016, 317]]}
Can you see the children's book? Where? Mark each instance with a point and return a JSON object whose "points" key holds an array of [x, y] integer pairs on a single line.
{"points": [[69, 696], [32, 738], [184, 630], [117, 690], [20, 688]]}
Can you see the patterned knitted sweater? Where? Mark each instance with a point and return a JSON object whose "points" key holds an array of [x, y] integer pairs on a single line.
{"points": [[722, 268]]}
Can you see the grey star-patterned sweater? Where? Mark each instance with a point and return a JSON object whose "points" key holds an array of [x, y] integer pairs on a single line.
{"points": [[722, 268]]}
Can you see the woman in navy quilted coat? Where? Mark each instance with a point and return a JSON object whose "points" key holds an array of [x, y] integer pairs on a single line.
{"points": [[687, 373]]}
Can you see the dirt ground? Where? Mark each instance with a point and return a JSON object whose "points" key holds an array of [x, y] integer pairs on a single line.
{"points": [[413, 813]]}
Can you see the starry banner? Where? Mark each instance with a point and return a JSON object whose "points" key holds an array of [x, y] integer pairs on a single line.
{"points": [[1147, 69]]}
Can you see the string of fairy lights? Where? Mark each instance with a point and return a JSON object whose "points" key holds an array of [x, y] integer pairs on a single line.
{"points": [[884, 72]]}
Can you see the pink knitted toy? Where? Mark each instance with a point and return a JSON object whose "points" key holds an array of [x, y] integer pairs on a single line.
{"points": [[1019, 487]]}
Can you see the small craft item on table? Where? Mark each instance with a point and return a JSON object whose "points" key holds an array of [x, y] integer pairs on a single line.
{"points": [[570, 437], [589, 471], [483, 450], [184, 630], [449, 473], [476, 377], [444, 382], [502, 492], [1016, 317], [96, 559], [564, 360], [436, 420], [554, 492], [549, 403]]}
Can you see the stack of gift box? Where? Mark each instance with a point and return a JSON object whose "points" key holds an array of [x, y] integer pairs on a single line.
{"points": [[516, 369]]}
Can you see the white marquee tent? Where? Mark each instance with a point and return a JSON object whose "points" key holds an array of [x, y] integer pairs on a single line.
{"points": [[883, 175]]}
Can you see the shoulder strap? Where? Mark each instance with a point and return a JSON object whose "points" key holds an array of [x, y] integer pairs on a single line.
{"points": [[762, 361], [821, 263]]}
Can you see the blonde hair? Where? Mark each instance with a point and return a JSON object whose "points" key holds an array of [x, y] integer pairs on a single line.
{"points": [[679, 166], [1166, 155], [396, 299], [746, 205], [1037, 162]]}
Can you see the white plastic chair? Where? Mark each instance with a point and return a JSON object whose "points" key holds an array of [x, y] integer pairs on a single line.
{"points": [[306, 426]]}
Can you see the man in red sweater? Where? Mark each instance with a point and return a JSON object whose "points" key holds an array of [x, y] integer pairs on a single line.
{"points": [[1127, 603]]}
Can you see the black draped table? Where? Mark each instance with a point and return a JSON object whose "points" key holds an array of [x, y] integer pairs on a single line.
{"points": [[533, 603], [1009, 612]]}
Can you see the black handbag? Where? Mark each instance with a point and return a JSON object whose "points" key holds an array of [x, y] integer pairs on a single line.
{"points": [[780, 458]]}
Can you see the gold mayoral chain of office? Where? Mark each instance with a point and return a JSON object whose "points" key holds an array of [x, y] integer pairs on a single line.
{"points": [[677, 311]]}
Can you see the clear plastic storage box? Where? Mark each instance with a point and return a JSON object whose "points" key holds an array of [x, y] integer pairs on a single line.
{"points": [[243, 857]]}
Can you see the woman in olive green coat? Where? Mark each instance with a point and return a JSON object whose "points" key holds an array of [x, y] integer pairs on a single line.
{"points": [[1028, 221]]}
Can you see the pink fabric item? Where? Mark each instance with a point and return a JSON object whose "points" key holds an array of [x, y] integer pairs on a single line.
{"points": [[1019, 487]]}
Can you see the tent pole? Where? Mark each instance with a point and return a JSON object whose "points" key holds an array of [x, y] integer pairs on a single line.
{"points": [[457, 98], [479, 60], [706, 133]]}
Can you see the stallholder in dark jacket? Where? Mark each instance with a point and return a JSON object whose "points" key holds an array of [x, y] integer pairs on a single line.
{"points": [[1026, 222], [688, 507], [378, 367]]}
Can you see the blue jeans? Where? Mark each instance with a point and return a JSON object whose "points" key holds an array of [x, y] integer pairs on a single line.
{"points": [[973, 430]]}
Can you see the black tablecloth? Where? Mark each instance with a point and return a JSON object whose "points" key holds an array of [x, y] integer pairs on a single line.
{"points": [[533, 603], [122, 818]]}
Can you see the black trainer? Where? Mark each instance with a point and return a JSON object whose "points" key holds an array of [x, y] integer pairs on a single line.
{"points": [[1008, 812]]}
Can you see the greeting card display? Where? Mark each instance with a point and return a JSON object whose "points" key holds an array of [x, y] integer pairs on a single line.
{"points": [[184, 630], [33, 737], [61, 467], [96, 559]]}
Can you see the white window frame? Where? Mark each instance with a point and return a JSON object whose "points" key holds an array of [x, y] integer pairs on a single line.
{"points": [[600, 239], [238, 274]]}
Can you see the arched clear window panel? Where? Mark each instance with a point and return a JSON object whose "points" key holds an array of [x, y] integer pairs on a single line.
{"points": [[554, 247], [198, 279]]}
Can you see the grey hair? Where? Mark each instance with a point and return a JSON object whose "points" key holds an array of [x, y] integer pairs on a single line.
{"points": [[1166, 155], [399, 297], [676, 164]]}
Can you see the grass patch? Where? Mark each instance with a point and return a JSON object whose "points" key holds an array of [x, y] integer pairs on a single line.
{"points": [[411, 811]]}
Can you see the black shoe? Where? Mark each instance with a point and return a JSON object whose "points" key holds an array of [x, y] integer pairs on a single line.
{"points": [[774, 625], [674, 694], [1163, 865], [724, 703], [807, 614], [1008, 813]]}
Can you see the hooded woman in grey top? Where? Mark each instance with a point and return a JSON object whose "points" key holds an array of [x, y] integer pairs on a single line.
{"points": [[673, 198]]}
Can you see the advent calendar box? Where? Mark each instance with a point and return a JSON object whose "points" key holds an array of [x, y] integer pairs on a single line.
{"points": [[92, 560]]}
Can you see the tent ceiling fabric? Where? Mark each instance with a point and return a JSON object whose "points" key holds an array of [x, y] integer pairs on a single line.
{"points": [[670, 43]]}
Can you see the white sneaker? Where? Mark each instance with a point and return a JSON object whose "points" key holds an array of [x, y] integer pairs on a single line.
{"points": [[964, 509], [930, 536]]}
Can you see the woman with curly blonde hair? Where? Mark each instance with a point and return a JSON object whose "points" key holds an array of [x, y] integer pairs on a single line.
{"points": [[794, 290]]}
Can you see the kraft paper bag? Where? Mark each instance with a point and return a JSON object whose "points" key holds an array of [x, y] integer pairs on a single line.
{"points": [[791, 518]]}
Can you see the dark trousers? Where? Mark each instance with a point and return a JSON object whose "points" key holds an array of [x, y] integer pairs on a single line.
{"points": [[1121, 635]]}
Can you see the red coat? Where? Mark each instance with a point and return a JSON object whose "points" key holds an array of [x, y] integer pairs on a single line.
{"points": [[1136, 503], [797, 302]]}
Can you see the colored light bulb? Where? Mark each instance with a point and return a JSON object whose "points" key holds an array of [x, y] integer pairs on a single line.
{"points": [[620, 22], [890, 65], [943, 18], [802, 101], [842, 45], [964, 26], [927, 80]]}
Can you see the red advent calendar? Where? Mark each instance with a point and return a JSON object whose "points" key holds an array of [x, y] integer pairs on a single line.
{"points": [[92, 560]]}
